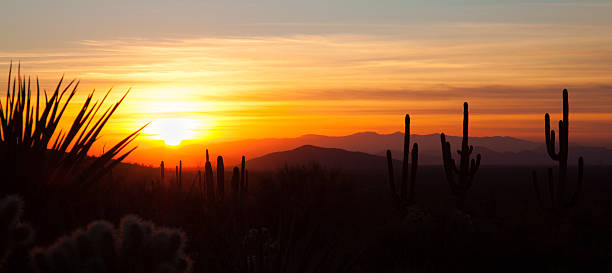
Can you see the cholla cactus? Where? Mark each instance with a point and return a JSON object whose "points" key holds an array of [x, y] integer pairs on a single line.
{"points": [[138, 246], [13, 233]]}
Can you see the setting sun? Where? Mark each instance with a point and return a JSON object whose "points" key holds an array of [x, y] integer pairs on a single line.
{"points": [[172, 130]]}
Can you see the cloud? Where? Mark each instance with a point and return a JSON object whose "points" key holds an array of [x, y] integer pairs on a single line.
{"points": [[510, 72]]}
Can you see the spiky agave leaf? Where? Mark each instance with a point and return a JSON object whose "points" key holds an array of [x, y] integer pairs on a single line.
{"points": [[32, 144]]}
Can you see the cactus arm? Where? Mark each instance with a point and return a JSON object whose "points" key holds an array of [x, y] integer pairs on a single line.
{"points": [[391, 176], [550, 138], [413, 170], [449, 164], [475, 165], [554, 155]]}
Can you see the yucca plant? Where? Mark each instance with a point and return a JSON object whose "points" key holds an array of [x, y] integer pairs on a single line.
{"points": [[35, 152]]}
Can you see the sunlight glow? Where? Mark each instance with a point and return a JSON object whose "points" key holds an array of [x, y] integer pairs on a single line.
{"points": [[173, 130]]}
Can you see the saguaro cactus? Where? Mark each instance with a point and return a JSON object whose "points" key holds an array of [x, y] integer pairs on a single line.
{"points": [[242, 178], [246, 181], [162, 170], [405, 197], [460, 179], [235, 183], [220, 178], [210, 184], [559, 200]]}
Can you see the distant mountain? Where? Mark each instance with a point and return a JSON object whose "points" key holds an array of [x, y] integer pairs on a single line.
{"points": [[359, 161], [329, 157], [367, 142], [536, 156], [496, 150]]}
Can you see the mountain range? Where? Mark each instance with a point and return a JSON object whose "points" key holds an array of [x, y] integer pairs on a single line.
{"points": [[495, 150]]}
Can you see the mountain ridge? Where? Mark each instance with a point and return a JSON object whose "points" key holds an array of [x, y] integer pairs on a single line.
{"points": [[504, 149]]}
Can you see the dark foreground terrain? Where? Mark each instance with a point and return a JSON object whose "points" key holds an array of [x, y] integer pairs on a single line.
{"points": [[313, 219]]}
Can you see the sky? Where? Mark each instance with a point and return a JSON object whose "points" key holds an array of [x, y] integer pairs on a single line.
{"points": [[215, 71]]}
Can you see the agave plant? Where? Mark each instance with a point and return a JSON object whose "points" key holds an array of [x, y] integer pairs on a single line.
{"points": [[34, 149]]}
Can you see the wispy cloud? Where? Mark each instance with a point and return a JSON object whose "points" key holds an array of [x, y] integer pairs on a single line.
{"points": [[510, 72]]}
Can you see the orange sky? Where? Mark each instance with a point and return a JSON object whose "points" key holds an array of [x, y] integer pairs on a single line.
{"points": [[214, 88]]}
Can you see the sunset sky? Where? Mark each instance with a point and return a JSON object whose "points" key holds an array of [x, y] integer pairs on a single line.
{"points": [[226, 70]]}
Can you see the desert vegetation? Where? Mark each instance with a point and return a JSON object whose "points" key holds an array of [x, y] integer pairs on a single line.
{"points": [[73, 216]]}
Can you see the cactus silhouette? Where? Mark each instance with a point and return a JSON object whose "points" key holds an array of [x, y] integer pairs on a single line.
{"points": [[220, 178], [13, 233], [559, 199], [208, 176], [177, 174], [235, 183], [242, 178], [137, 246], [162, 172], [405, 197], [460, 179]]}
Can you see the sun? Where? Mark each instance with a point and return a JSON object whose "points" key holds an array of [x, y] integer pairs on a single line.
{"points": [[173, 130]]}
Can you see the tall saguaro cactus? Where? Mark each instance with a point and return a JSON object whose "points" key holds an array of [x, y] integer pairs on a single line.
{"points": [[210, 184], [460, 179], [180, 173], [220, 178], [405, 197], [559, 199], [162, 170], [235, 183], [243, 179]]}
